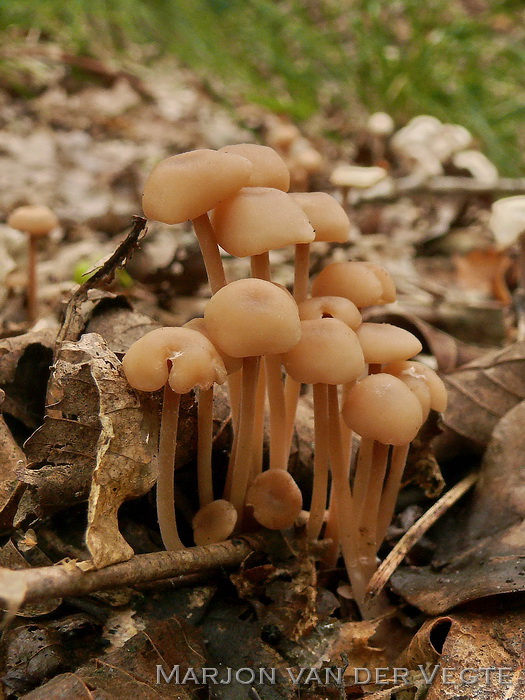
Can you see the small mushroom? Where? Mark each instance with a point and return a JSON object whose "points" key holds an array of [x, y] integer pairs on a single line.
{"points": [[187, 186], [269, 169], [383, 342], [36, 221], [349, 177], [177, 359], [214, 522], [248, 319], [478, 165], [383, 411], [275, 498], [356, 281], [507, 222]]}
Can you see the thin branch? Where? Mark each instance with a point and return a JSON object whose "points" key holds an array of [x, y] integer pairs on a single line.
{"points": [[444, 185], [65, 580], [409, 539], [73, 318]]}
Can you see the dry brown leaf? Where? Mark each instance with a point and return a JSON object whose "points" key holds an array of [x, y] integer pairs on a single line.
{"points": [[480, 548], [483, 391], [100, 433], [10, 488], [478, 642], [484, 271]]}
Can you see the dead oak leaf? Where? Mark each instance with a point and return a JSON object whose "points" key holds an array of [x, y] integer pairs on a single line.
{"points": [[95, 445]]}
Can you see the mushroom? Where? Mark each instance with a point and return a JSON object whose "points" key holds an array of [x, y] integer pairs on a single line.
{"points": [[275, 498], [478, 165], [380, 126], [177, 359], [356, 281], [269, 169], [383, 342], [431, 392], [328, 354], [187, 186], [214, 522], [248, 319], [413, 144], [36, 221], [205, 417], [383, 411], [347, 177], [507, 222]]}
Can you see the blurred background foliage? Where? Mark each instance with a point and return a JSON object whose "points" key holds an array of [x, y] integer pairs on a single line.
{"points": [[460, 60]]}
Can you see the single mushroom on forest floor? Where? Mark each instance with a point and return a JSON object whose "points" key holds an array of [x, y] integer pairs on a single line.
{"points": [[355, 177], [178, 359], [188, 186], [248, 319], [36, 221]]}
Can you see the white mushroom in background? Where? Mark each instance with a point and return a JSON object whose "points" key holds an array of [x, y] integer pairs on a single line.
{"points": [[479, 166]]}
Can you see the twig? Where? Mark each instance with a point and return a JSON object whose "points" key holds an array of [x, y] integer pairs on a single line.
{"points": [[405, 544], [66, 580], [444, 186], [73, 318]]}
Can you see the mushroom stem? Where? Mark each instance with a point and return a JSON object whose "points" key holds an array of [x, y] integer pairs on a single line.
{"points": [[210, 252], [32, 303], [321, 459], [166, 478], [391, 491], [243, 453], [302, 271], [367, 543], [258, 429], [345, 503], [292, 391], [204, 446], [346, 433], [362, 477], [260, 266], [278, 442]]}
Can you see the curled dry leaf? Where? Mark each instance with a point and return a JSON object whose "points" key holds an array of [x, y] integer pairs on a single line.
{"points": [[480, 547], [10, 488], [99, 440], [24, 370]]}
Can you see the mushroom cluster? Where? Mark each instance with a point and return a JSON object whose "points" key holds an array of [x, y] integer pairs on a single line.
{"points": [[266, 343]]}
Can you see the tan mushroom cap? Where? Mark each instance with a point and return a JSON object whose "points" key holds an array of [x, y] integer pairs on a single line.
{"points": [[253, 317], [188, 185], [259, 219], [330, 307], [389, 294], [381, 407], [438, 391], [194, 361], [327, 353], [357, 176], [35, 220], [269, 169], [383, 342], [276, 499], [304, 155], [282, 135], [327, 217], [232, 364], [214, 522], [418, 385], [351, 280]]}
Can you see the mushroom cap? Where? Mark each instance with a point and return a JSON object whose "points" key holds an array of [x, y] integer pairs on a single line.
{"points": [[259, 219], [232, 364], [281, 135], [438, 391], [449, 139], [478, 165], [253, 317], [181, 356], [189, 184], [357, 176], [35, 220], [418, 385], [214, 522], [269, 169], [389, 294], [304, 155], [381, 407], [380, 124], [276, 499], [327, 353], [352, 280], [330, 307], [327, 217], [420, 129], [383, 342], [507, 220]]}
